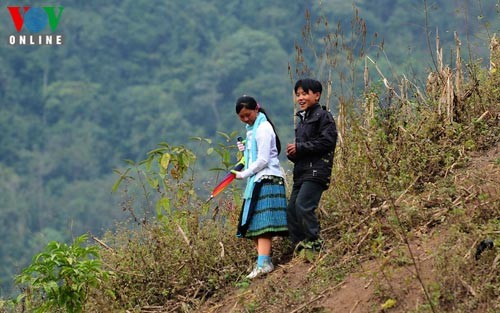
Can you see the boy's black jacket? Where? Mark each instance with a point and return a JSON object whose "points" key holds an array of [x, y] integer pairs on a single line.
{"points": [[315, 140]]}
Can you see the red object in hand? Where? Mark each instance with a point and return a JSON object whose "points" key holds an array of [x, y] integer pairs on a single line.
{"points": [[226, 180]]}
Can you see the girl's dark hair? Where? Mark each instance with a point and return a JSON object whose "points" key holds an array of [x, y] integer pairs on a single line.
{"points": [[250, 103]]}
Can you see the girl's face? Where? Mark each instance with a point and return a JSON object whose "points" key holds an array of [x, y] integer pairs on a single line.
{"points": [[306, 99], [248, 116]]}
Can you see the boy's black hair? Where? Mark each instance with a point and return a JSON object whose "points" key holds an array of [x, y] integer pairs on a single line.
{"points": [[251, 104], [309, 84]]}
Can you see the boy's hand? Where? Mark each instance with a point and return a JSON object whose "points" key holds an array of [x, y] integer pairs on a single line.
{"points": [[291, 149]]}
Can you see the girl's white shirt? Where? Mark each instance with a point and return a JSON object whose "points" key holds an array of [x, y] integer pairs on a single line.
{"points": [[267, 162]]}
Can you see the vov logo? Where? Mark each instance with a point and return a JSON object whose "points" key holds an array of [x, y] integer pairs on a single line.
{"points": [[33, 20]]}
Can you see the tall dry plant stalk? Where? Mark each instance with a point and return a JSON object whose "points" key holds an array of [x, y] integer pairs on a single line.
{"points": [[446, 85], [494, 53]]}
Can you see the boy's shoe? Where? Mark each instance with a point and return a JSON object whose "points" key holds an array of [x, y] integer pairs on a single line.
{"points": [[316, 245], [261, 270], [309, 250], [298, 247], [308, 255]]}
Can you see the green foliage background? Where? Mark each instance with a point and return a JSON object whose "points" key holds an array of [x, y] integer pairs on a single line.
{"points": [[132, 74]]}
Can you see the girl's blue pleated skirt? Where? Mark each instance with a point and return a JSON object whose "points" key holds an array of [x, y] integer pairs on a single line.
{"points": [[268, 210]]}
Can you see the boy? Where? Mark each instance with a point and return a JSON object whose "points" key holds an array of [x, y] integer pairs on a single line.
{"points": [[312, 155]]}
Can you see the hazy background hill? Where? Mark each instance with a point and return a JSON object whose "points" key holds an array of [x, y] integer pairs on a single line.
{"points": [[134, 73]]}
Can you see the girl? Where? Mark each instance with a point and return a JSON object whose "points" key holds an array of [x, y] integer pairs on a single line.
{"points": [[263, 214]]}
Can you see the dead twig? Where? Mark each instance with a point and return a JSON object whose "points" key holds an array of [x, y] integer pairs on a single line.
{"points": [[468, 287], [102, 243], [368, 233], [355, 305], [222, 250]]}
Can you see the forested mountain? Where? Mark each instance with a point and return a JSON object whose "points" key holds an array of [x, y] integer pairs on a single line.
{"points": [[131, 74]]}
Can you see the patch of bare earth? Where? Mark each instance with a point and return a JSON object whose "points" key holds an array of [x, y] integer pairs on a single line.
{"points": [[363, 291]]}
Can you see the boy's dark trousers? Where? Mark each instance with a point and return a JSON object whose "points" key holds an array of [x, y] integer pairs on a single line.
{"points": [[303, 225]]}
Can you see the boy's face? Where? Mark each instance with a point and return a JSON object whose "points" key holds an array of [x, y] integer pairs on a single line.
{"points": [[306, 99]]}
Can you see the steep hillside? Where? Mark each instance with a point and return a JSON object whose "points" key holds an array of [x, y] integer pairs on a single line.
{"points": [[437, 246]]}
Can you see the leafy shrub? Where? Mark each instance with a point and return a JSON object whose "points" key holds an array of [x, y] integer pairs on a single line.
{"points": [[59, 278], [182, 255]]}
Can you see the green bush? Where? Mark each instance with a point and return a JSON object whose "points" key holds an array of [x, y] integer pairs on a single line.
{"points": [[59, 278]]}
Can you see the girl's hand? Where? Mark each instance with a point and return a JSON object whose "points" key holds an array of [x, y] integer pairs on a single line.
{"points": [[241, 146], [236, 174], [291, 149]]}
